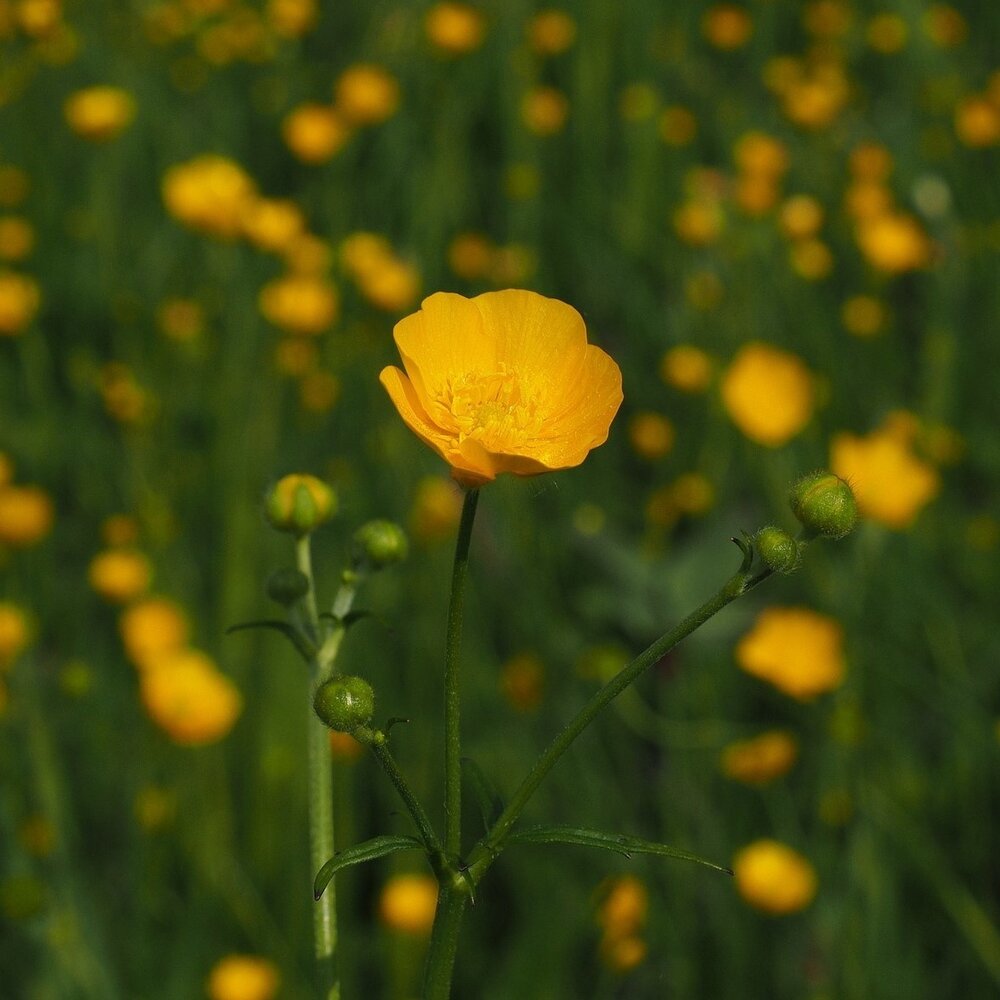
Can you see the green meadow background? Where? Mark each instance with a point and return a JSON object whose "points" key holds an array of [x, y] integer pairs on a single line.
{"points": [[894, 798]]}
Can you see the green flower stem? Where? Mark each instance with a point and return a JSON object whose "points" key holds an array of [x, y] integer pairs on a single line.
{"points": [[489, 847], [380, 749], [321, 846], [444, 940], [452, 703]]}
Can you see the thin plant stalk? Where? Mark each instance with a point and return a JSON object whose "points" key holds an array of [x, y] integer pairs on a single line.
{"points": [[452, 686]]}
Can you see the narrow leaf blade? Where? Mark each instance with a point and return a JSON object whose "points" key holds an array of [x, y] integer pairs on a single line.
{"points": [[617, 842], [298, 640], [369, 850]]}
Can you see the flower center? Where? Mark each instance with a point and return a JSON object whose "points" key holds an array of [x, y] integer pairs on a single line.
{"points": [[493, 408]]}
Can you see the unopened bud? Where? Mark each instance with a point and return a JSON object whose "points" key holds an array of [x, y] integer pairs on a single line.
{"points": [[344, 703], [824, 504], [300, 504], [779, 551], [380, 544]]}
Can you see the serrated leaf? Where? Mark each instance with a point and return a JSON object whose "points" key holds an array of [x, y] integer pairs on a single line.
{"points": [[369, 850], [617, 842], [488, 797], [298, 640]]}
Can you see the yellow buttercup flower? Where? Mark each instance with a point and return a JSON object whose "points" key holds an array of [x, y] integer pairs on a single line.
{"points": [[727, 26], [622, 915], [314, 132], [15, 633], [99, 113], [120, 575], [544, 110], [273, 223], [651, 435], [894, 242], [366, 94], [761, 759], [687, 368], [891, 484], [300, 303], [17, 238], [26, 514], [152, 628], [455, 28], [503, 382], [210, 194], [797, 650], [774, 878], [187, 697], [19, 299], [408, 903], [768, 394], [551, 32], [243, 977]]}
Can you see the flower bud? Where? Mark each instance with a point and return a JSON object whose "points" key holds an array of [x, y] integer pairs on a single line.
{"points": [[824, 504], [286, 586], [300, 504], [380, 544], [778, 549], [344, 703]]}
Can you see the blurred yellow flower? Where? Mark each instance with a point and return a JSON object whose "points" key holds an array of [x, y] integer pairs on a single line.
{"points": [[866, 200], [314, 132], [273, 224], [39, 18], [19, 300], [651, 435], [243, 977], [761, 759], [504, 382], [407, 904], [774, 878], [6, 469], [544, 110], [26, 515], [977, 122], [699, 221], [811, 259], [454, 28], [677, 126], [622, 916], [436, 509], [470, 255], [887, 33], [870, 161], [797, 650], [120, 575], [181, 319], [816, 96], [692, 493], [124, 398], [99, 113], [551, 32], [863, 315], [758, 153], [687, 368], [894, 243], [522, 679], [800, 217], [210, 194], [756, 194], [890, 483], [945, 26], [17, 238], [15, 633], [366, 94], [390, 284], [344, 747], [292, 18], [727, 26], [187, 697], [152, 628], [768, 393], [300, 303]]}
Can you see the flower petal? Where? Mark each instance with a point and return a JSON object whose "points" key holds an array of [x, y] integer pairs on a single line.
{"points": [[541, 340], [407, 403]]}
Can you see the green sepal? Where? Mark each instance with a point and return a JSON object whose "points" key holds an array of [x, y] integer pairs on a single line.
{"points": [[369, 850], [298, 640], [617, 842], [488, 798]]}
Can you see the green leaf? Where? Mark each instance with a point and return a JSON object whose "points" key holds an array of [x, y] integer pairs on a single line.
{"points": [[487, 794], [616, 842], [298, 640], [377, 847]]}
